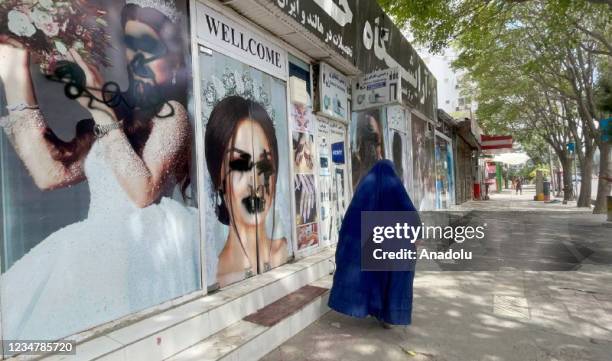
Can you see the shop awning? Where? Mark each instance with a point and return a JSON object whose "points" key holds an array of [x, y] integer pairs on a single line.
{"points": [[464, 129], [496, 144]]}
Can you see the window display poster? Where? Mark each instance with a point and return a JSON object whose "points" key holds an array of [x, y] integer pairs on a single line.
{"points": [[376, 89], [424, 191], [334, 187], [325, 177], [306, 210], [246, 153], [400, 156], [343, 195], [333, 92], [302, 118], [305, 163], [96, 153], [399, 144], [307, 235], [368, 133], [304, 153], [305, 189], [396, 117], [338, 152]]}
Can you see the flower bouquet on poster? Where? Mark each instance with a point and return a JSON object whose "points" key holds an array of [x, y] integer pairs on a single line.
{"points": [[49, 28]]}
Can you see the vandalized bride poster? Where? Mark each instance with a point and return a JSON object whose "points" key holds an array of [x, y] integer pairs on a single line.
{"points": [[96, 155]]}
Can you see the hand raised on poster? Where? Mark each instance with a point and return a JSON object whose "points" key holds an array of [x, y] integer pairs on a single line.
{"points": [[304, 183], [97, 96], [303, 154]]}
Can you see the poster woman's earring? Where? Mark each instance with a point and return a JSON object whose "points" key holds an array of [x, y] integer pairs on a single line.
{"points": [[174, 77]]}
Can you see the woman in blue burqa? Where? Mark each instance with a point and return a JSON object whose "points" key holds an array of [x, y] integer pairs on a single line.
{"points": [[386, 295]]}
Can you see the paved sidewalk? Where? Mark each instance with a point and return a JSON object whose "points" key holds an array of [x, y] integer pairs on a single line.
{"points": [[463, 316], [500, 314], [507, 199]]}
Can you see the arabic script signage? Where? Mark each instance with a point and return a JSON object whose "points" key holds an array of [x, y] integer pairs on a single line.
{"points": [[382, 45], [377, 89], [362, 33], [333, 92], [330, 20]]}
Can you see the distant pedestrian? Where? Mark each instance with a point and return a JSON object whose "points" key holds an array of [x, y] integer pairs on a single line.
{"points": [[519, 186]]}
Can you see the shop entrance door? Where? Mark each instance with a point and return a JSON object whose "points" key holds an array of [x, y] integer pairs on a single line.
{"points": [[244, 111], [333, 177]]}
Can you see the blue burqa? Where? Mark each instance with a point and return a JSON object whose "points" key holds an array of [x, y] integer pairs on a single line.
{"points": [[385, 295]]}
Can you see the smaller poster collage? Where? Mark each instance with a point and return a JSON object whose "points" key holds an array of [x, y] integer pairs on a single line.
{"points": [[304, 164], [333, 182], [332, 116]]}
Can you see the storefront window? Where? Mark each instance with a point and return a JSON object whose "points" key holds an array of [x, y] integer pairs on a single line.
{"points": [[304, 154], [423, 164], [444, 173], [248, 229], [333, 176], [368, 133], [98, 197], [399, 143]]}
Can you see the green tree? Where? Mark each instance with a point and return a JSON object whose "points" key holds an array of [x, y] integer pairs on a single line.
{"points": [[535, 62], [438, 23]]}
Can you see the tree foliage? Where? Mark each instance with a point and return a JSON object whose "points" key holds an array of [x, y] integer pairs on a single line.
{"points": [[439, 23], [541, 68]]}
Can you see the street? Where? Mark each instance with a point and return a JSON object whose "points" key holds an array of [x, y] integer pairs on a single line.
{"points": [[539, 288]]}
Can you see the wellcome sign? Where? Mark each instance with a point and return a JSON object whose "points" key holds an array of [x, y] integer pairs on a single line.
{"points": [[224, 34]]}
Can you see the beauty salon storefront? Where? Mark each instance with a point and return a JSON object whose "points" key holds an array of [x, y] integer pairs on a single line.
{"points": [[225, 149], [333, 111], [379, 124], [243, 104], [397, 85]]}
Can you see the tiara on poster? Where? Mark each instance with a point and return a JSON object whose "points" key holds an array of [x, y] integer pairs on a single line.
{"points": [[166, 7], [234, 83]]}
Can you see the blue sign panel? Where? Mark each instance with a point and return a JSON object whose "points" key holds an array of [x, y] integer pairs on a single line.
{"points": [[606, 129], [338, 152]]}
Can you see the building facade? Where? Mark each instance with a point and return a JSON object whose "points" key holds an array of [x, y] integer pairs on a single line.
{"points": [[194, 143]]}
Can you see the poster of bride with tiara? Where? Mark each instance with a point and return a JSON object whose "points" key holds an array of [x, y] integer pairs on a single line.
{"points": [[246, 179], [98, 202]]}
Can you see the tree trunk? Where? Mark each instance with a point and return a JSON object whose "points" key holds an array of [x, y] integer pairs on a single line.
{"points": [[604, 183], [568, 189], [586, 175]]}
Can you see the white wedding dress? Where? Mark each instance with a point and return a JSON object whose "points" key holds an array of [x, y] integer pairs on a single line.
{"points": [[119, 260]]}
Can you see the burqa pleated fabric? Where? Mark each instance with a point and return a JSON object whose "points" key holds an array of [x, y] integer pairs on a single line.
{"points": [[385, 295]]}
